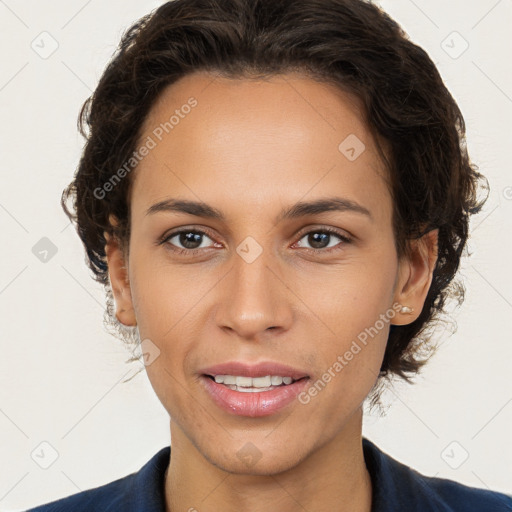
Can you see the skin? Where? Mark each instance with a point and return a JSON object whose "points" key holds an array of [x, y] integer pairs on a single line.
{"points": [[250, 149]]}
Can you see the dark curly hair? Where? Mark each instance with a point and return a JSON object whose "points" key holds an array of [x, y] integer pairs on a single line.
{"points": [[417, 125]]}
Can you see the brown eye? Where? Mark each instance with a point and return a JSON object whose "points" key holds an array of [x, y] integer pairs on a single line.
{"points": [[322, 239], [187, 240]]}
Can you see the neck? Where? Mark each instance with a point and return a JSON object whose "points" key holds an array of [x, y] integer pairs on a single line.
{"points": [[332, 477]]}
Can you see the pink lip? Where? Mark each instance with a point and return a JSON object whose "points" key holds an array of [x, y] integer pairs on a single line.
{"points": [[262, 403], [256, 370]]}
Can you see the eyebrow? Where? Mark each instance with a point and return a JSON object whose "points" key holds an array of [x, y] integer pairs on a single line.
{"points": [[300, 209]]}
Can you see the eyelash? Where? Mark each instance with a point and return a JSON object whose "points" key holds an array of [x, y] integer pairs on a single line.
{"points": [[192, 252]]}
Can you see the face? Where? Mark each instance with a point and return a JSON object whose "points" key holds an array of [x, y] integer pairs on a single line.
{"points": [[263, 280]]}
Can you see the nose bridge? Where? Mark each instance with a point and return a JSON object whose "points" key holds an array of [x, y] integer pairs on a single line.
{"points": [[255, 299]]}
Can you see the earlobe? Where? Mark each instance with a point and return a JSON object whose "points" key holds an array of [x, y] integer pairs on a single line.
{"points": [[415, 277], [119, 280]]}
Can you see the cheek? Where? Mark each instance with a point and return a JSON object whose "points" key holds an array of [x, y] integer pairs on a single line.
{"points": [[164, 307], [351, 366], [171, 306], [357, 306], [355, 294], [164, 297]]}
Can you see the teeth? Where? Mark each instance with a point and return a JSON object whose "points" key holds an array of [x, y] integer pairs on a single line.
{"points": [[260, 382], [246, 382], [250, 382], [276, 381]]}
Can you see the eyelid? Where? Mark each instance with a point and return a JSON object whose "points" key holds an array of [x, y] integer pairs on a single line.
{"points": [[329, 229]]}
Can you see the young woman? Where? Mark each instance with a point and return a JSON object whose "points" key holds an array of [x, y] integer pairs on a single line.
{"points": [[276, 193]]}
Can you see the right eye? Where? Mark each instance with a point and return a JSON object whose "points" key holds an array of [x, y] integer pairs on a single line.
{"points": [[191, 241]]}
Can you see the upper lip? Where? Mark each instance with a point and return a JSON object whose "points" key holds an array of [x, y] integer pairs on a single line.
{"points": [[254, 370]]}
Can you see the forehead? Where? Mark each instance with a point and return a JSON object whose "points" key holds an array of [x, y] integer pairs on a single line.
{"points": [[291, 104], [244, 140]]}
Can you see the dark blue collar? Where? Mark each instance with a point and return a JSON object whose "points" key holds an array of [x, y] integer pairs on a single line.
{"points": [[395, 488]]}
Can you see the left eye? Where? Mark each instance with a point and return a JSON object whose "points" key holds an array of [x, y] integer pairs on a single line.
{"points": [[321, 239]]}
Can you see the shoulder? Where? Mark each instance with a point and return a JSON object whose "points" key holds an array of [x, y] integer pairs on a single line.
{"points": [[399, 487], [141, 491]]}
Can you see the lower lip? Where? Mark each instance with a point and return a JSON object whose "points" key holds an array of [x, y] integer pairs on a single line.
{"points": [[253, 404]]}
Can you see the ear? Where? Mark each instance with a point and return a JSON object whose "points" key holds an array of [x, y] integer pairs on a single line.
{"points": [[118, 273], [415, 273]]}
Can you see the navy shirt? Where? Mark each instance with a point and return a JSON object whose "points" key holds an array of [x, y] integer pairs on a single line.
{"points": [[396, 488]]}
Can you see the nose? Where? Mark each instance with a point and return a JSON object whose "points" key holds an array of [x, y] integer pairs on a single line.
{"points": [[255, 299]]}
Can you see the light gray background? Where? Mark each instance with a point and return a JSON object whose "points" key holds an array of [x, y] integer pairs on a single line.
{"points": [[61, 373]]}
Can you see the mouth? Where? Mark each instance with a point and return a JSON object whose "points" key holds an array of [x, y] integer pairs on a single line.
{"points": [[257, 390]]}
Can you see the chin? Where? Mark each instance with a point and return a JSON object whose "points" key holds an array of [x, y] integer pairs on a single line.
{"points": [[249, 458], [266, 466]]}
